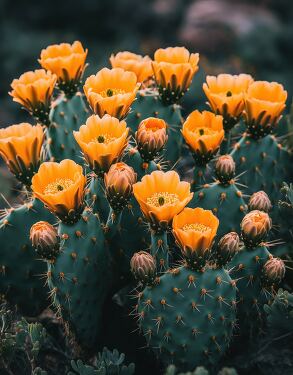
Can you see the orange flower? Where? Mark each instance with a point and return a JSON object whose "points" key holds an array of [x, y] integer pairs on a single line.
{"points": [[174, 68], [34, 91], [67, 61], [151, 137], [226, 96], [203, 132], [102, 140], [20, 147], [194, 230], [111, 91], [161, 195], [45, 240], [264, 104], [140, 65], [61, 186]]}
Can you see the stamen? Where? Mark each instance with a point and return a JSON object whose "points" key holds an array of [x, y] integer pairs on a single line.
{"points": [[197, 227], [58, 185], [163, 199], [110, 92], [229, 93], [104, 138]]}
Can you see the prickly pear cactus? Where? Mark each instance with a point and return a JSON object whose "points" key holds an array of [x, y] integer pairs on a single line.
{"points": [[263, 164], [188, 316], [21, 270], [79, 277], [245, 268], [66, 116], [226, 202], [148, 104]]}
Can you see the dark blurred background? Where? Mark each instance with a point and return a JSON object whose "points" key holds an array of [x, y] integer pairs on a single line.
{"points": [[231, 36]]}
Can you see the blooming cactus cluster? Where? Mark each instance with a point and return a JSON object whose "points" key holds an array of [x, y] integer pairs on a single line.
{"points": [[115, 208]]}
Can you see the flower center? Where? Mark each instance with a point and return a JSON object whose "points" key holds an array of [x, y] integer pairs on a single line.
{"points": [[196, 227], [229, 93], [104, 138], [162, 199], [111, 92], [58, 185], [203, 131]]}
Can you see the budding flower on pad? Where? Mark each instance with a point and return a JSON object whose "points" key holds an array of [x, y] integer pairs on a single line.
{"points": [[254, 227], [143, 267], [227, 247], [45, 239], [118, 184], [260, 201], [273, 271], [194, 230], [225, 168], [151, 137]]}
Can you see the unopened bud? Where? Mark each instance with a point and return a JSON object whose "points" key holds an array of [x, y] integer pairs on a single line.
{"points": [[143, 267], [273, 271], [225, 168], [260, 201], [254, 227], [118, 184], [151, 137], [45, 239], [227, 247]]}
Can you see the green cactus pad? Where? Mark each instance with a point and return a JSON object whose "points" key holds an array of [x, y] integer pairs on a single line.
{"points": [[148, 104], [188, 316], [225, 201], [79, 279], [66, 116], [21, 270], [245, 268], [262, 163]]}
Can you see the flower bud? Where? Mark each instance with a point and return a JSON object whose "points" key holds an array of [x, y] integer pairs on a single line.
{"points": [[45, 240], [151, 137], [143, 267], [225, 168], [118, 183], [227, 247], [260, 201], [254, 227], [273, 271]]}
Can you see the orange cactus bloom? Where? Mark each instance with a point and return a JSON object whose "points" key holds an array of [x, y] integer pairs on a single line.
{"points": [[174, 68], [20, 147], [34, 90], [161, 195], [67, 61], [203, 132], [225, 94], [264, 104], [102, 141], [194, 230], [61, 187], [111, 91], [151, 137], [131, 62]]}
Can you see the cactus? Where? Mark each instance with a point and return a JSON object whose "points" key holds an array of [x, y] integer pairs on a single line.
{"points": [[188, 316], [148, 104], [66, 116], [223, 197], [78, 278], [22, 271], [262, 163]]}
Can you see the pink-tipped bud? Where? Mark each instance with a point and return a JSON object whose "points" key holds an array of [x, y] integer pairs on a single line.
{"points": [[254, 227], [273, 271], [118, 184], [260, 201], [227, 247], [45, 239], [151, 137], [143, 267], [225, 168]]}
